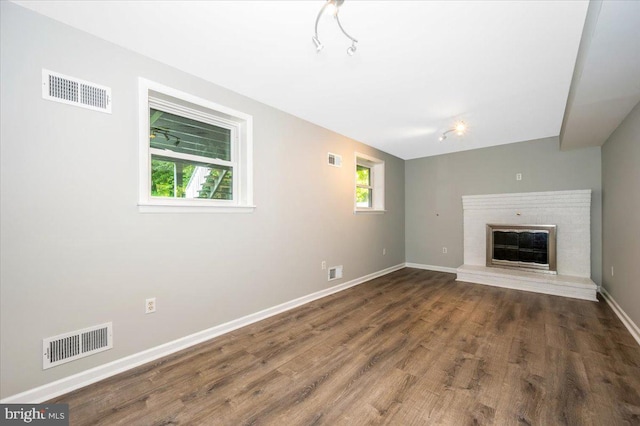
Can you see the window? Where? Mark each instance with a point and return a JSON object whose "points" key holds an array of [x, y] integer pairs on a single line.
{"points": [[194, 155], [364, 189], [369, 194]]}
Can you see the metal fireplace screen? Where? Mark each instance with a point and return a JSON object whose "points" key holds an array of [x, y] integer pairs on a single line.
{"points": [[527, 247]]}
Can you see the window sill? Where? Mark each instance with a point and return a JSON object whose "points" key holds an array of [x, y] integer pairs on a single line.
{"points": [[187, 208], [369, 211]]}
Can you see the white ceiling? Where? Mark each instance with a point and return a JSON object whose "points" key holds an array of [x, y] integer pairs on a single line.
{"points": [[505, 68]]}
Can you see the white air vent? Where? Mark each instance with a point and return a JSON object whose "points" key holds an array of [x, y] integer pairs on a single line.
{"points": [[335, 273], [334, 160], [76, 344], [73, 91]]}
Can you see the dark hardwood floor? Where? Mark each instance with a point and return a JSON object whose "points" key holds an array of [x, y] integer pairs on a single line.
{"points": [[413, 347]]}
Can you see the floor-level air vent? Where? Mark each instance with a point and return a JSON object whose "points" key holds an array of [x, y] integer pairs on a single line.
{"points": [[335, 272], [334, 160], [73, 91], [76, 344]]}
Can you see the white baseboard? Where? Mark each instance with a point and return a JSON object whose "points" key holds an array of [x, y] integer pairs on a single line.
{"points": [[431, 267], [85, 378], [631, 326]]}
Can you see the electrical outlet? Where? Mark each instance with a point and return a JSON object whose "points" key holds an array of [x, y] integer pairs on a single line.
{"points": [[444, 250], [384, 251], [323, 265], [150, 305], [612, 271], [518, 176]]}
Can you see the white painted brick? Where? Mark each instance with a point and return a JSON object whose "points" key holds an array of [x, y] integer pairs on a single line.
{"points": [[569, 210]]}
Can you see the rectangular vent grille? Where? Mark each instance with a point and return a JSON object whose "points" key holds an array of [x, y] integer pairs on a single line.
{"points": [[61, 88], [334, 160], [73, 91], [335, 273], [93, 96], [76, 344]]}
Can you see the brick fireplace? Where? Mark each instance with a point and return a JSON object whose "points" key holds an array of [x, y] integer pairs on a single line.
{"points": [[519, 262]]}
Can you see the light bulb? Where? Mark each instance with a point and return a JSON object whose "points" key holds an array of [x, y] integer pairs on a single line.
{"points": [[461, 128]]}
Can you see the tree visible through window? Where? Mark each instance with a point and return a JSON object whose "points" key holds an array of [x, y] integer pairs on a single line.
{"points": [[364, 189], [369, 191]]}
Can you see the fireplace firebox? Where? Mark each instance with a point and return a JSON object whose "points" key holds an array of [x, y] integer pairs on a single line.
{"points": [[525, 247]]}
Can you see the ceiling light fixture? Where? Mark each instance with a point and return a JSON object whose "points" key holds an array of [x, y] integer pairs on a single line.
{"points": [[334, 7], [460, 128]]}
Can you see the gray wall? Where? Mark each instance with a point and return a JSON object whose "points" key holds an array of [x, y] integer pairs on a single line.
{"points": [[621, 215], [435, 186], [76, 252]]}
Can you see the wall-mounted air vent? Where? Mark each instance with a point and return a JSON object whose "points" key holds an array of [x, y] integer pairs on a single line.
{"points": [[335, 273], [76, 344], [334, 160], [73, 91]]}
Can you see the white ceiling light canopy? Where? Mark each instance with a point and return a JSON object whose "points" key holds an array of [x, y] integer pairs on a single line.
{"points": [[460, 128], [333, 6]]}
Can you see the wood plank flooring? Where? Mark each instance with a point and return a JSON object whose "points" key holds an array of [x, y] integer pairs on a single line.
{"points": [[411, 348]]}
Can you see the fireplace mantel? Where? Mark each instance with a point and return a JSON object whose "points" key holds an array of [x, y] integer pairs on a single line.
{"points": [[570, 211]]}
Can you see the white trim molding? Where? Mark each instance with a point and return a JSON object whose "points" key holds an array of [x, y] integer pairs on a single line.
{"points": [[85, 378], [628, 322], [431, 267]]}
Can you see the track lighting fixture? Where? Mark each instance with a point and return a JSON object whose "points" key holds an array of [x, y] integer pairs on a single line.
{"points": [[334, 7], [460, 128]]}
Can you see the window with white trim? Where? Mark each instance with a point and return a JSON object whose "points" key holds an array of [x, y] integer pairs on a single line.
{"points": [[195, 155], [369, 186]]}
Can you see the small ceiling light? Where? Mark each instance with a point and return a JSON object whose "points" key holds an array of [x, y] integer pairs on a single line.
{"points": [[460, 128], [334, 7]]}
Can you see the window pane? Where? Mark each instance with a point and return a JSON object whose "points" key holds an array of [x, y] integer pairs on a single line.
{"points": [[363, 197], [179, 134], [175, 178], [363, 175]]}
